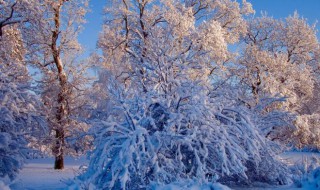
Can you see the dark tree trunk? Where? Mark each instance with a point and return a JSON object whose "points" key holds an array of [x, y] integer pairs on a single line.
{"points": [[62, 113], [59, 149], [255, 87], [59, 162]]}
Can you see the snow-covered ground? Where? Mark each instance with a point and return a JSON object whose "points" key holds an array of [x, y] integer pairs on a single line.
{"points": [[299, 157], [38, 174], [290, 158]]}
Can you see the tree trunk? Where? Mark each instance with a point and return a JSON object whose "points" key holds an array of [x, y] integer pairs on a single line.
{"points": [[59, 163], [59, 149], [255, 87], [61, 114]]}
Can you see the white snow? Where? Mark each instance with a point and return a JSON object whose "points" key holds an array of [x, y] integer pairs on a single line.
{"points": [[292, 158], [38, 174], [3, 186], [191, 185]]}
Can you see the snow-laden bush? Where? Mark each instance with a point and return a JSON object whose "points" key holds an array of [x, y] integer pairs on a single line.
{"points": [[166, 122], [262, 165], [155, 140]]}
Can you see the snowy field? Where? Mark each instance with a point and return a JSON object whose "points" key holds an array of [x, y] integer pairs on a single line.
{"points": [[39, 174], [290, 158]]}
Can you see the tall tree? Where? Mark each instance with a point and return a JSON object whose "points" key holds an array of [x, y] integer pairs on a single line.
{"points": [[53, 48], [281, 57]]}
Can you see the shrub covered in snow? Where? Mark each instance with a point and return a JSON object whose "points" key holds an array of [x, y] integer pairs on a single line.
{"points": [[154, 140], [166, 122]]}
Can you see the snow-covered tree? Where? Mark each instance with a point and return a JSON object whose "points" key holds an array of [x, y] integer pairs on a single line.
{"points": [[281, 58], [166, 122], [181, 32], [50, 32], [21, 120], [51, 38]]}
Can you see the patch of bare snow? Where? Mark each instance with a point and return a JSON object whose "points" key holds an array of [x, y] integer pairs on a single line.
{"points": [[38, 174]]}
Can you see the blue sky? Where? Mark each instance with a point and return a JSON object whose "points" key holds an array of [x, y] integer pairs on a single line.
{"points": [[309, 9], [89, 36]]}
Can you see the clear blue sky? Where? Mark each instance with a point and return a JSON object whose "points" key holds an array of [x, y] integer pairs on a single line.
{"points": [[309, 9], [89, 36]]}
